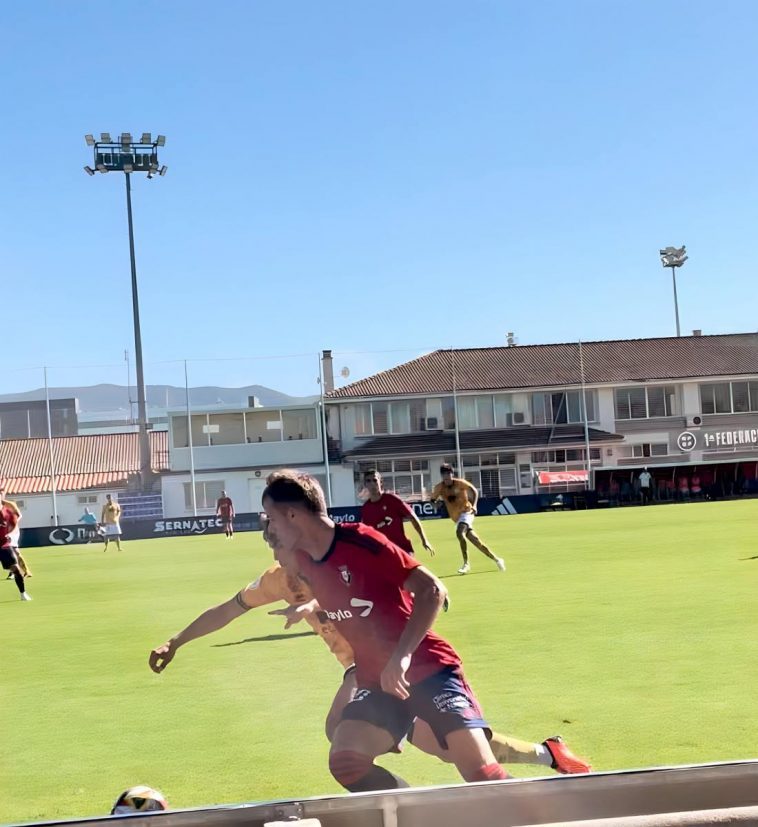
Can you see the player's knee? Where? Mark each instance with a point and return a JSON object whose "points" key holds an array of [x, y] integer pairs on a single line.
{"points": [[348, 767]]}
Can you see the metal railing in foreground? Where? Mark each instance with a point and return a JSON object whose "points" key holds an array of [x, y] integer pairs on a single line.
{"points": [[657, 797]]}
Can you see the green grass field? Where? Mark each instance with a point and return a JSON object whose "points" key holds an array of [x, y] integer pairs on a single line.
{"points": [[632, 632]]}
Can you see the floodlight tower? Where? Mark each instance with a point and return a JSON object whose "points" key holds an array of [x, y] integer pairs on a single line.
{"points": [[674, 257], [129, 156]]}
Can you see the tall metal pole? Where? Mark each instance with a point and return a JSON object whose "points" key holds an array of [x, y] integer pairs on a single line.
{"points": [[144, 438], [51, 452], [676, 302], [588, 460], [455, 413], [189, 441], [325, 436]]}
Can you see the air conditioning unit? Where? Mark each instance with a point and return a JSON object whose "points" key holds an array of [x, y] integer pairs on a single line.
{"points": [[518, 418], [431, 423], [694, 421]]}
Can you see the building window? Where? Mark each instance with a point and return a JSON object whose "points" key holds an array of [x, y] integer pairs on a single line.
{"points": [[409, 479], [263, 426], [206, 493], [226, 429], [562, 407], [86, 499], [564, 456], [642, 402], [650, 449], [729, 397], [300, 424]]}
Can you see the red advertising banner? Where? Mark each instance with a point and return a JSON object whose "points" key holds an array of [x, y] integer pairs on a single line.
{"points": [[554, 477]]}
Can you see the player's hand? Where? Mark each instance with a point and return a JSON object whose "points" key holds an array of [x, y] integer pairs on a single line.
{"points": [[393, 678], [294, 614], [161, 656], [429, 549]]}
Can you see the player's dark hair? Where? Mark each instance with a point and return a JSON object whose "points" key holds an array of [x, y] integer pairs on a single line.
{"points": [[445, 468], [293, 488], [372, 472]]}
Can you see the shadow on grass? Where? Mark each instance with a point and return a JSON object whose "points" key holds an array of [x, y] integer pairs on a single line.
{"points": [[263, 639], [754, 557], [470, 574]]}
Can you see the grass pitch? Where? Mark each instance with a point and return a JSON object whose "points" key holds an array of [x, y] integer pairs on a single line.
{"points": [[632, 632]]}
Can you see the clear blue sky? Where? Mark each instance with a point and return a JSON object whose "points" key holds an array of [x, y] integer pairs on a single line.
{"points": [[372, 177]]}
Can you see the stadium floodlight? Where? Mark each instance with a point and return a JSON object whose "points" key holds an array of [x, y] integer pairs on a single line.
{"points": [[163, 170], [127, 156], [673, 257]]}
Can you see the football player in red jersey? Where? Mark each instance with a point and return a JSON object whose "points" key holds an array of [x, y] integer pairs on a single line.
{"points": [[225, 511], [384, 603], [8, 554], [386, 512]]}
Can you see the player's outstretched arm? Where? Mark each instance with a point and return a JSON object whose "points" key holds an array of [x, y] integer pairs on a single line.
{"points": [[428, 596], [211, 620], [416, 523]]}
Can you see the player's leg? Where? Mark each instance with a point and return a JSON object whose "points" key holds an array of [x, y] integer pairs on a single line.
{"points": [[552, 752], [344, 695], [9, 562], [448, 705], [460, 533], [23, 565], [372, 724], [475, 540]]}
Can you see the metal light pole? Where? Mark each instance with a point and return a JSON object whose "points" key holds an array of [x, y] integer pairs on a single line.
{"points": [[674, 257], [128, 156]]}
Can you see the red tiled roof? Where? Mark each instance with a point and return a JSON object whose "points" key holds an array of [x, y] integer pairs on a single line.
{"points": [[81, 462], [530, 366]]}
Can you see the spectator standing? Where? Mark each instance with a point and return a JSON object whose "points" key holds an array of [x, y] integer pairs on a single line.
{"points": [[646, 483]]}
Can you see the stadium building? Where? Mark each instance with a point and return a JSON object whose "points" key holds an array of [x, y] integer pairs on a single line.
{"points": [[512, 419]]}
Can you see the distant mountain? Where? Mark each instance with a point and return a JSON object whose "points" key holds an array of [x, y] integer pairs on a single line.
{"points": [[95, 398]]}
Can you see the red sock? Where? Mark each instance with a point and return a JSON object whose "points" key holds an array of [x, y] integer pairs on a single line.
{"points": [[488, 772]]}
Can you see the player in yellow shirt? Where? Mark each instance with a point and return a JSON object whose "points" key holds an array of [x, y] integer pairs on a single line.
{"points": [[15, 535], [460, 498], [277, 584], [111, 520]]}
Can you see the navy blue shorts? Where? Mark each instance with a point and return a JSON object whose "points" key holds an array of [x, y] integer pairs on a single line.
{"points": [[444, 700], [8, 557]]}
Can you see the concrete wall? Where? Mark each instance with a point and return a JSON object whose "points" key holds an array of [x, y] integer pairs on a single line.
{"points": [[245, 486]]}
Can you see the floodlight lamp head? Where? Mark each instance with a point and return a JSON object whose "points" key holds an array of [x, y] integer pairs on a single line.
{"points": [[102, 168], [146, 138], [90, 140], [161, 140], [89, 170], [105, 137], [163, 170], [126, 138], [128, 168]]}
